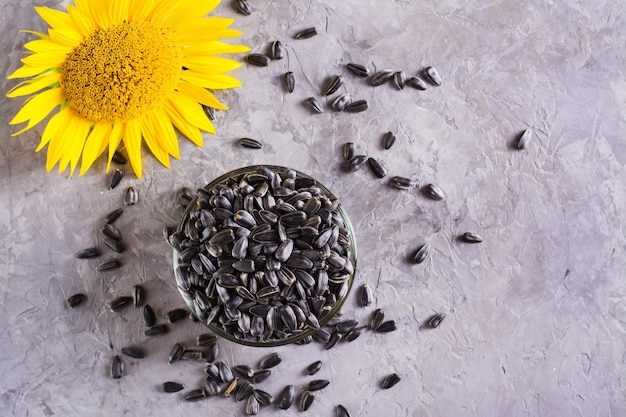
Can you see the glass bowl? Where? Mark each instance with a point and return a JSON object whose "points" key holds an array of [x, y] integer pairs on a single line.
{"points": [[275, 277]]}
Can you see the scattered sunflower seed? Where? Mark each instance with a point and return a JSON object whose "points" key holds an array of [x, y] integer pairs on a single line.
{"points": [[525, 137], [250, 143], [88, 253], [286, 396], [386, 327], [193, 355], [270, 361], [175, 353], [156, 330], [422, 253], [306, 399], [206, 339], [376, 167], [348, 151], [306, 33], [376, 319], [340, 103], [399, 79], [365, 296], [176, 315], [244, 390], [333, 85], [382, 77], [118, 158], [244, 371], [111, 231], [108, 265], [171, 386], [388, 140], [434, 192], [263, 397], [289, 81], [433, 75], [261, 375], [435, 320], [259, 60], [117, 367], [133, 352], [358, 70], [357, 106], [243, 7], [314, 368], [252, 406], [390, 381], [346, 326], [277, 50], [149, 318], [356, 162], [210, 112], [76, 300], [417, 83], [353, 334], [342, 411], [335, 337], [402, 183], [113, 216], [471, 237], [116, 177], [114, 245], [195, 395], [131, 196], [120, 302], [314, 105]]}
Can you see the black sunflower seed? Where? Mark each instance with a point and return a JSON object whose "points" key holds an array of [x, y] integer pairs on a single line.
{"points": [[306, 33], [76, 300], [263, 397], [390, 381], [289, 81], [133, 352], [270, 361], [244, 371], [357, 106], [315, 105], [277, 50], [111, 231], [243, 7], [365, 296], [88, 253], [259, 60], [342, 411], [117, 367], [435, 320], [116, 177], [108, 265], [176, 315], [376, 167], [376, 318], [120, 302], [388, 140], [317, 384], [171, 386], [417, 83], [314, 368], [149, 318], [250, 143], [261, 375], [358, 70], [386, 327], [118, 158], [113, 216], [471, 237], [156, 330], [333, 85], [348, 151], [175, 353], [195, 395], [286, 397], [244, 390], [114, 245]]}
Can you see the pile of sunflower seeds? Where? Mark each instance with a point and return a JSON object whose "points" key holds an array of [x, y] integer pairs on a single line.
{"points": [[264, 256]]}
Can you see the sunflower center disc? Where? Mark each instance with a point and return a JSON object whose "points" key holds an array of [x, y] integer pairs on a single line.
{"points": [[119, 73]]}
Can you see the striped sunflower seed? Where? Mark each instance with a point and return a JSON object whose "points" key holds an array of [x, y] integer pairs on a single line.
{"points": [[131, 196], [117, 367], [277, 50], [341, 411], [306, 33], [416, 83], [156, 330], [108, 265], [116, 177], [250, 143], [333, 85], [358, 70], [388, 140], [356, 162], [435, 320], [206, 339], [290, 81], [171, 386], [471, 237], [381, 77], [244, 390], [357, 106], [365, 296], [210, 112], [433, 75], [434, 192], [402, 183], [340, 103], [111, 231], [257, 59], [243, 7], [399, 79], [314, 105], [252, 406], [114, 245], [376, 167], [376, 318], [113, 216], [133, 352], [76, 300], [348, 151], [306, 399], [195, 395], [390, 381], [263, 397], [286, 397], [88, 253], [120, 302], [422, 253], [525, 137]]}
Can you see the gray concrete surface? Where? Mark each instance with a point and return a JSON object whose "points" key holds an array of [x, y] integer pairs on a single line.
{"points": [[536, 313]]}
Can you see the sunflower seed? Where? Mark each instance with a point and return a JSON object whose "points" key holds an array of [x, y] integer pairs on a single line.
{"points": [[116, 177], [156, 330], [133, 352], [131, 196], [108, 265], [195, 395], [314, 105], [390, 381], [314, 368], [270, 361], [244, 390], [388, 140], [212, 386], [356, 162], [422, 253], [175, 353], [417, 83], [365, 296], [357, 106], [259, 60], [149, 318], [435, 320], [290, 81], [111, 231], [206, 339], [138, 296], [171, 386], [222, 237], [252, 406], [382, 77], [176, 315], [358, 70], [286, 396], [231, 387], [317, 384], [226, 375], [376, 167], [340, 103], [524, 138], [399, 79], [353, 334], [277, 50], [306, 399], [192, 355], [76, 300], [402, 183], [210, 112], [261, 375], [117, 367], [250, 143], [376, 318], [348, 151], [346, 325], [244, 371], [118, 158], [386, 327], [119, 303], [342, 411], [113, 216], [114, 245], [243, 7], [263, 397], [433, 75], [210, 354], [335, 337], [321, 336], [306, 33], [471, 237], [333, 85], [88, 253], [434, 192]]}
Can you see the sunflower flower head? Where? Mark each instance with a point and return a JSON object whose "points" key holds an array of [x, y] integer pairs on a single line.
{"points": [[125, 72]]}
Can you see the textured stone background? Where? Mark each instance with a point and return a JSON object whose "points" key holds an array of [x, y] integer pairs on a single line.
{"points": [[536, 314]]}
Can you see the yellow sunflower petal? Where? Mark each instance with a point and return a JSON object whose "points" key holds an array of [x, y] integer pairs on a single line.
{"points": [[201, 95], [75, 135], [81, 22], [55, 18], [166, 131], [26, 71], [190, 131], [37, 108], [48, 60], [210, 64], [56, 138], [118, 12], [114, 141], [140, 10], [212, 81], [132, 141], [66, 36], [184, 10], [214, 47], [95, 144], [151, 137], [192, 111], [31, 86], [47, 45], [52, 128], [96, 10]]}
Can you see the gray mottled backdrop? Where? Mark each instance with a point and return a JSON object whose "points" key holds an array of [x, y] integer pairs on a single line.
{"points": [[536, 314]]}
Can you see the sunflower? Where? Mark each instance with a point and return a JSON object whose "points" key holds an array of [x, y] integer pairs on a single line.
{"points": [[124, 71]]}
